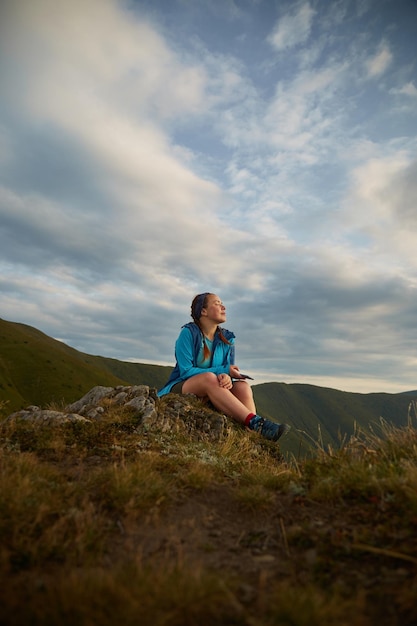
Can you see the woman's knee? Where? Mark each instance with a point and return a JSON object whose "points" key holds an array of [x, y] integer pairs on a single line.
{"points": [[208, 378], [200, 383]]}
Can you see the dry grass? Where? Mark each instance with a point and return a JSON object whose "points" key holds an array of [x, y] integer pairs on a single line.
{"points": [[101, 524]]}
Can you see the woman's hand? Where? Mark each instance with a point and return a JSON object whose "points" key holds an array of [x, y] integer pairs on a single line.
{"points": [[225, 381], [234, 371]]}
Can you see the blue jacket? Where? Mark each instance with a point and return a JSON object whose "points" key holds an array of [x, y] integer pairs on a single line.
{"points": [[187, 348]]}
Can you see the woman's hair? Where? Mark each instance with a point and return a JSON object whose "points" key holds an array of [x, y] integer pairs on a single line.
{"points": [[198, 304]]}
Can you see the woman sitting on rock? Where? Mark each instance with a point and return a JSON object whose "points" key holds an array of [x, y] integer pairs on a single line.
{"points": [[205, 367]]}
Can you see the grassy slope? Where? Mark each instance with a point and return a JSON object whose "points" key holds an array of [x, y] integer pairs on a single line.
{"points": [[308, 408], [110, 523], [133, 373], [36, 369]]}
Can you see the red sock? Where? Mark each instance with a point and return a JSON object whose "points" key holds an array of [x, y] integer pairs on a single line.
{"points": [[249, 417]]}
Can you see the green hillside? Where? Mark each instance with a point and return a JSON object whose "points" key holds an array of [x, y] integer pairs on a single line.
{"points": [[133, 373], [328, 414], [36, 369]]}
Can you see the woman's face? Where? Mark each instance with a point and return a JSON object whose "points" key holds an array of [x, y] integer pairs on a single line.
{"points": [[214, 309]]}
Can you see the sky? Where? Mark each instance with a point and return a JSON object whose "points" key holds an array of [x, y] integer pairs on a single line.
{"points": [[262, 150]]}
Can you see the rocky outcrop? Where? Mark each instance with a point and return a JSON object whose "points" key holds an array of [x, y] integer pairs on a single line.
{"points": [[175, 413]]}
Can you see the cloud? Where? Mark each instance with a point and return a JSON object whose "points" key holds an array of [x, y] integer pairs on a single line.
{"points": [[409, 89], [385, 185], [379, 62], [333, 307], [293, 29], [91, 54], [402, 193], [102, 103]]}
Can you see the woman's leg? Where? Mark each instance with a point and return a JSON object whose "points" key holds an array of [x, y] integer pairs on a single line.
{"points": [[243, 392], [236, 402], [225, 400]]}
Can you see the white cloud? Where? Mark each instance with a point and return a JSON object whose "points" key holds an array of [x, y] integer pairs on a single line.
{"points": [[381, 205], [370, 182], [293, 29], [296, 118], [76, 69], [409, 89], [80, 59], [379, 62]]}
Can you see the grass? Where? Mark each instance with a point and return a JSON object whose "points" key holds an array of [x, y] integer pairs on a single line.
{"points": [[104, 523]]}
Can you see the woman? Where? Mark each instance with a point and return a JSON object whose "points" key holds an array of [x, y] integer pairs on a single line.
{"points": [[205, 367]]}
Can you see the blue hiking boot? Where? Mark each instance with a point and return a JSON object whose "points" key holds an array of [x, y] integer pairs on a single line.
{"points": [[266, 428]]}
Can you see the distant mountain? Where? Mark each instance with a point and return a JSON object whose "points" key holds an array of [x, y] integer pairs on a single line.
{"points": [[36, 369], [327, 415]]}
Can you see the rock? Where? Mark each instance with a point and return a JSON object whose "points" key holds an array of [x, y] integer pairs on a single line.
{"points": [[190, 415], [174, 413], [37, 415], [91, 398], [138, 403]]}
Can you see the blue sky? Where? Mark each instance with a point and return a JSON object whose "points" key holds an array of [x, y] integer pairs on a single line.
{"points": [[262, 150]]}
